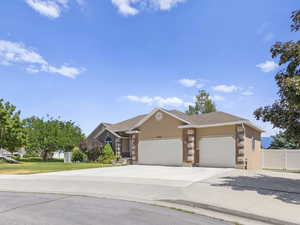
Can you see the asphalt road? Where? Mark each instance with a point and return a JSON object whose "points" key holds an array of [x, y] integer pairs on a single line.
{"points": [[50, 209]]}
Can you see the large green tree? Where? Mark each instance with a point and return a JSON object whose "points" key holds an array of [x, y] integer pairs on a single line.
{"points": [[285, 112], [282, 141], [48, 135], [12, 135], [203, 104]]}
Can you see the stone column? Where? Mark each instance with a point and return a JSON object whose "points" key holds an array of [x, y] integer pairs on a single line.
{"points": [[189, 146], [134, 147], [118, 148], [240, 151]]}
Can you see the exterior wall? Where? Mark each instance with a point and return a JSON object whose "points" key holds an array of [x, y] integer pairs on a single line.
{"points": [[103, 136], [165, 128], [254, 158], [215, 131], [125, 145]]}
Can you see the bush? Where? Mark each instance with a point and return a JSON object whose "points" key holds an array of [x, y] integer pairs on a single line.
{"points": [[30, 154], [16, 157], [39, 159], [31, 159], [78, 156], [107, 156]]}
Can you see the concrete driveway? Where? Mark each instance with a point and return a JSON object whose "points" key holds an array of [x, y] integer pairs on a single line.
{"points": [[184, 175], [261, 193]]}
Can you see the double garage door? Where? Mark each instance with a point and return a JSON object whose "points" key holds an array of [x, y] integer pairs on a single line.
{"points": [[160, 152], [214, 152]]}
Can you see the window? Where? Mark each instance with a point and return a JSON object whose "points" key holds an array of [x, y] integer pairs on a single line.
{"points": [[253, 144], [108, 140]]}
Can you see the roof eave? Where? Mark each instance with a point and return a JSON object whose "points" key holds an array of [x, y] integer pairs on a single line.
{"points": [[223, 124]]}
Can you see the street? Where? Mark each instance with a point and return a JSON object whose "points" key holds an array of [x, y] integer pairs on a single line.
{"points": [[49, 209]]}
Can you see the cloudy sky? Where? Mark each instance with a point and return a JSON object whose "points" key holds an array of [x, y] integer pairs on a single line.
{"points": [[91, 61]]}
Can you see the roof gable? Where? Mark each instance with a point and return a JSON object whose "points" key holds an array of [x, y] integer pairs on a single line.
{"points": [[142, 121]]}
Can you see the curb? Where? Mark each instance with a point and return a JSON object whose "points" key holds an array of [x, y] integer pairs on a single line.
{"points": [[230, 212]]}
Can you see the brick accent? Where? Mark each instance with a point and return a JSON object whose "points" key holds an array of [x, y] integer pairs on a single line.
{"points": [[240, 138], [134, 147], [118, 148], [189, 145]]}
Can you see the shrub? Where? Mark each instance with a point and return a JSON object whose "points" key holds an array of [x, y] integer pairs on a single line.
{"points": [[16, 157], [39, 159], [30, 154], [107, 156], [31, 159], [78, 156]]}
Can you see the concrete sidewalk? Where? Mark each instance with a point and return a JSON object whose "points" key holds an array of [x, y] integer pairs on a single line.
{"points": [[263, 193]]}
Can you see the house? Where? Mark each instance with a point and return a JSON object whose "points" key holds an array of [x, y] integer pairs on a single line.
{"points": [[171, 137]]}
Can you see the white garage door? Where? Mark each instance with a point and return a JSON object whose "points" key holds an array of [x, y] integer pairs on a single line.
{"points": [[217, 152], [160, 152]]}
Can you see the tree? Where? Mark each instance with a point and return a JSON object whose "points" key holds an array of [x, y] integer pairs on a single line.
{"points": [[281, 141], [285, 112], [107, 156], [48, 135], [12, 135], [203, 104]]}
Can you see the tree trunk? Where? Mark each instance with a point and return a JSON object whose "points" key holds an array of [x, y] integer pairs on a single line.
{"points": [[45, 156]]}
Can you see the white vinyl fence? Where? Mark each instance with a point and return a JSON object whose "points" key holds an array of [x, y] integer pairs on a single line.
{"points": [[281, 159]]}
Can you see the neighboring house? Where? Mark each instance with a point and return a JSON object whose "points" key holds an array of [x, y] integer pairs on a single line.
{"points": [[170, 137], [3, 152]]}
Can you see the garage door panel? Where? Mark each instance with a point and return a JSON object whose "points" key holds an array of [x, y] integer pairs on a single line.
{"points": [[160, 152], [217, 152]]}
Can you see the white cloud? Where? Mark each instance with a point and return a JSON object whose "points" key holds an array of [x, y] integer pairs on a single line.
{"points": [[13, 53], [159, 101], [226, 88], [166, 4], [187, 82], [49, 8], [133, 7], [125, 8], [267, 66]]}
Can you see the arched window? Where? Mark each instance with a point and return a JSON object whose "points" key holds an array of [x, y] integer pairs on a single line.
{"points": [[108, 140]]}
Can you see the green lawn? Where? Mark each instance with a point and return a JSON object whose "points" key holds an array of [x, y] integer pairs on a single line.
{"points": [[44, 167], [284, 171]]}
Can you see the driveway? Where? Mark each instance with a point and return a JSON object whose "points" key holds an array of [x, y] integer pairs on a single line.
{"points": [[49, 209], [262, 193], [184, 175]]}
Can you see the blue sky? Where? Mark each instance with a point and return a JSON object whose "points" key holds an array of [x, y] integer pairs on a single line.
{"points": [[91, 61]]}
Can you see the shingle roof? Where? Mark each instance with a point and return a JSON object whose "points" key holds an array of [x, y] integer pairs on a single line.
{"points": [[208, 118], [126, 124], [202, 119]]}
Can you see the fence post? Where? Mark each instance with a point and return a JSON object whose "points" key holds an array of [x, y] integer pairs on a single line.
{"points": [[263, 159], [286, 162]]}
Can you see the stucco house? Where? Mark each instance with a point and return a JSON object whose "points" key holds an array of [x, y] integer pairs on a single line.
{"points": [[171, 137]]}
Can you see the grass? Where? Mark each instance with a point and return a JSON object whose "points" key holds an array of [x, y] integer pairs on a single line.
{"points": [[45, 167], [284, 171]]}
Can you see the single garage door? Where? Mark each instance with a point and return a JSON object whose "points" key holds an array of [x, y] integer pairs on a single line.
{"points": [[160, 152], [217, 151]]}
